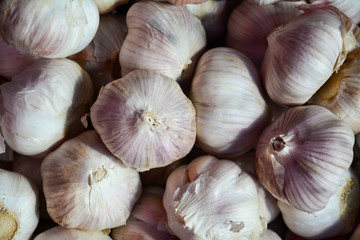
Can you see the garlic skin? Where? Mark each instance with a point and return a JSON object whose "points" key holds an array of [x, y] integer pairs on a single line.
{"points": [[86, 187], [145, 120], [106, 6], [302, 155], [251, 22], [43, 105], [19, 213], [60, 233], [309, 49], [226, 91], [341, 93], [11, 60], [56, 29], [183, 2], [339, 217], [164, 38], [221, 184], [268, 235]]}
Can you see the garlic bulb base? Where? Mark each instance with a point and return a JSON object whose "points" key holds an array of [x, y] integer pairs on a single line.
{"points": [[8, 225]]}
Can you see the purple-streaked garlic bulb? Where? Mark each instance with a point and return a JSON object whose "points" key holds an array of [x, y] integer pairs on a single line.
{"points": [[19, 213], [230, 109], [341, 93], [183, 2], [61, 233], [147, 220], [86, 187], [250, 24], [303, 54], [51, 29], [339, 217], [101, 57], [212, 199], [302, 155], [43, 105], [164, 38], [106, 6], [11, 60], [145, 119]]}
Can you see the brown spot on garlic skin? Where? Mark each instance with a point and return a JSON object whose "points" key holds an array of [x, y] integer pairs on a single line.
{"points": [[348, 201], [8, 224]]}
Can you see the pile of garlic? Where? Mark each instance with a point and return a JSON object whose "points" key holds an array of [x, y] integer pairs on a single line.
{"points": [[179, 119]]}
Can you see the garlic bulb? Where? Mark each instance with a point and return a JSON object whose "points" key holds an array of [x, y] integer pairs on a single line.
{"points": [[182, 2], [304, 53], [339, 217], [145, 120], [86, 187], [212, 199], [162, 37], [268, 235], [226, 91], [341, 93], [60, 233], [356, 233], [302, 155], [19, 214], [56, 29], [43, 105], [250, 23], [101, 57], [11, 60], [106, 6], [147, 219]]}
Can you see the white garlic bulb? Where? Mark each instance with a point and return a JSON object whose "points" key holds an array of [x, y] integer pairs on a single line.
{"points": [[226, 91], [212, 199], [145, 119], [302, 155], [19, 213], [86, 187], [60, 233], [339, 217], [54, 29], [164, 38], [43, 105], [106, 6], [340, 94], [304, 53]]}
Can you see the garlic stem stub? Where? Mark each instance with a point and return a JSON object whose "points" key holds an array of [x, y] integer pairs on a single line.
{"points": [[19, 213], [339, 217], [43, 105], [302, 155], [145, 120], [303, 54], [61, 233], [230, 108], [162, 37], [86, 187], [212, 199], [51, 29], [106, 6]]}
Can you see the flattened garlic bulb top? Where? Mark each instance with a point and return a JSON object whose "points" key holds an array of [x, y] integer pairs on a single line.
{"points": [[86, 187], [43, 105], [212, 199], [162, 37], [61, 233], [145, 120], [302, 155], [49, 29], [19, 213]]}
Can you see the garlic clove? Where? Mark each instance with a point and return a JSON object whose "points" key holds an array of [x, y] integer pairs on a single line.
{"points": [[221, 184], [33, 27], [43, 105], [106, 6], [306, 55], [145, 120], [86, 187], [183, 2], [60, 233], [164, 38], [269, 235], [251, 22], [226, 91], [19, 213], [341, 93], [339, 217], [302, 155]]}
